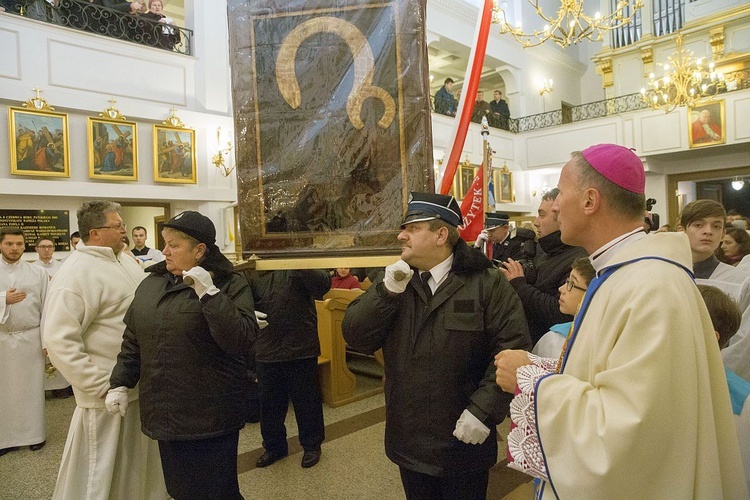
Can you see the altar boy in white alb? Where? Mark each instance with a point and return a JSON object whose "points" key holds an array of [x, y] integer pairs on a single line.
{"points": [[22, 291], [704, 223]]}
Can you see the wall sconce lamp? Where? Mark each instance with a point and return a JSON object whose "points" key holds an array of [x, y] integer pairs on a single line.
{"points": [[546, 87], [738, 184], [221, 158], [542, 190]]}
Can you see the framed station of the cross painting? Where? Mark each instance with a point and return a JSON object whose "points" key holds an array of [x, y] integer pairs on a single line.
{"points": [[332, 124], [113, 149], [38, 140], [174, 154]]}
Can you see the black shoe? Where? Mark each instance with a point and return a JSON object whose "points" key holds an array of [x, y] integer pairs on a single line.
{"points": [[7, 450], [310, 458], [38, 446], [267, 458]]}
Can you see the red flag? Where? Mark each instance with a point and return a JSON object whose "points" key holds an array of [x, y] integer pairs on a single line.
{"points": [[468, 95], [472, 210]]}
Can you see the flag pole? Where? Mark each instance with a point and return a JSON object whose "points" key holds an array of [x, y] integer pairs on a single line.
{"points": [[485, 170], [468, 95], [486, 159]]}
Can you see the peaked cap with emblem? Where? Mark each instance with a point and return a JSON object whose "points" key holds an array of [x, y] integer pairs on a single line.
{"points": [[495, 219], [430, 206], [196, 225]]}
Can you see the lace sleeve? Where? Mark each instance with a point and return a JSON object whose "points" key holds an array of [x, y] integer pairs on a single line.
{"points": [[524, 452]]}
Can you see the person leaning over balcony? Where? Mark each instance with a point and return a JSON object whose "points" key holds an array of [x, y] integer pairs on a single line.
{"points": [[158, 33], [445, 103]]}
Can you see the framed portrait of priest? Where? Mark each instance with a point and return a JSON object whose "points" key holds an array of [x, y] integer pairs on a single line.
{"points": [[38, 141], [332, 124], [707, 125], [113, 149], [174, 155]]}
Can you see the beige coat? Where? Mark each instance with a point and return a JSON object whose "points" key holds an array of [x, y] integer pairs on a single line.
{"points": [[642, 409]]}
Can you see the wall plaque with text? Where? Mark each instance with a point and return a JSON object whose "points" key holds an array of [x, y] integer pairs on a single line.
{"points": [[54, 224]]}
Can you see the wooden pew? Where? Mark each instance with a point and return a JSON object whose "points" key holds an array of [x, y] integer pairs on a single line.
{"points": [[338, 383]]}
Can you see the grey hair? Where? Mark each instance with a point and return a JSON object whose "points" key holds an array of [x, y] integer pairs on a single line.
{"points": [[93, 214]]}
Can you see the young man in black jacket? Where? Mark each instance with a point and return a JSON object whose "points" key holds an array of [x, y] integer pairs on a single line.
{"points": [[540, 295]]}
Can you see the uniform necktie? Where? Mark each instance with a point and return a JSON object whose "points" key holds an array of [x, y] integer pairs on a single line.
{"points": [[426, 276]]}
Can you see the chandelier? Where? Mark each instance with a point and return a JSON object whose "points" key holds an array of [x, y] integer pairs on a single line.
{"points": [[571, 24], [686, 81]]}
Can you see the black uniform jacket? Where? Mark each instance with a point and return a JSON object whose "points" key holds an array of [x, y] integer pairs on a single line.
{"points": [[190, 355], [439, 360], [288, 298]]}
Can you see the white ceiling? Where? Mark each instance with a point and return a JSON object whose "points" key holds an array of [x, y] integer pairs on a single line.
{"points": [[449, 59]]}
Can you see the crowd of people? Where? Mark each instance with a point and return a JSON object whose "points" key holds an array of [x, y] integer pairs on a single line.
{"points": [[141, 21], [614, 350], [496, 111]]}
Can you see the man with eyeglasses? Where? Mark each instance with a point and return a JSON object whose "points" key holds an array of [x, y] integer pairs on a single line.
{"points": [[45, 249], [22, 293], [82, 329], [638, 406]]}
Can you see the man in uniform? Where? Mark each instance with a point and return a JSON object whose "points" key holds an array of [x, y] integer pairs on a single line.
{"points": [[497, 232], [22, 292], [440, 314], [638, 407], [105, 455]]}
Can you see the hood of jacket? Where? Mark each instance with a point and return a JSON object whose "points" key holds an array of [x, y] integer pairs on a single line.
{"points": [[98, 252], [673, 247], [552, 243], [467, 260]]}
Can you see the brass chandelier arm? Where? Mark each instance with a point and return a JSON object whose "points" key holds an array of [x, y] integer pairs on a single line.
{"points": [[571, 24], [687, 81]]}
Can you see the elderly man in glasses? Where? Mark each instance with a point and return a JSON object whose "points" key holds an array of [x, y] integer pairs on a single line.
{"points": [[82, 329]]}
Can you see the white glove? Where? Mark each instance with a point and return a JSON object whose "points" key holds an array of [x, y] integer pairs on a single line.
{"points": [[394, 285], [481, 239], [117, 401], [260, 317], [470, 429], [200, 281]]}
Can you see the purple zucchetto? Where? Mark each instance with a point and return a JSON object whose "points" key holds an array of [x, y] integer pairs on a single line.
{"points": [[619, 165]]}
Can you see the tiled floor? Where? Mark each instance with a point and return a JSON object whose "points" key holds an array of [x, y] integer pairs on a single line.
{"points": [[353, 464]]}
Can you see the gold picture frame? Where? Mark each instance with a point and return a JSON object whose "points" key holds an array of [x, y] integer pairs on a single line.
{"points": [[113, 149], [466, 173], [174, 152], [707, 124], [38, 138], [503, 180]]}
